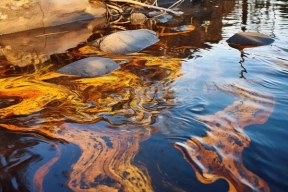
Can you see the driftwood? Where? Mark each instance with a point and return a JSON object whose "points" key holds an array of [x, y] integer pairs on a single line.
{"points": [[152, 6]]}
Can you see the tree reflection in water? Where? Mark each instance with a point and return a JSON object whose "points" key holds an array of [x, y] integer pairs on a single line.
{"points": [[16, 155]]}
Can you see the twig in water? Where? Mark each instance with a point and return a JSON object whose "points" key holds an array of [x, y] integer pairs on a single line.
{"points": [[176, 4], [47, 34], [148, 6], [155, 3], [115, 7]]}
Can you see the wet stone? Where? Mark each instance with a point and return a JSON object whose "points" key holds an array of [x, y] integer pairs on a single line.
{"points": [[250, 38], [90, 67], [128, 41]]}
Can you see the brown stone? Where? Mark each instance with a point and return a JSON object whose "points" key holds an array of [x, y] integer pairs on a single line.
{"points": [[24, 15]]}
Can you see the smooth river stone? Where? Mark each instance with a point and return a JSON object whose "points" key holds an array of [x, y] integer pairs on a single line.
{"points": [[250, 38], [90, 67], [128, 41]]}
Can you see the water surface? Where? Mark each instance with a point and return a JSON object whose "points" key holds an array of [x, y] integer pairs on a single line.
{"points": [[189, 113]]}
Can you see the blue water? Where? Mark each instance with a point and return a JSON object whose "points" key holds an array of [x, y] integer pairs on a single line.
{"points": [[208, 64]]}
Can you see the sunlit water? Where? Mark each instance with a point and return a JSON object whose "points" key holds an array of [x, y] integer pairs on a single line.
{"points": [[216, 121]]}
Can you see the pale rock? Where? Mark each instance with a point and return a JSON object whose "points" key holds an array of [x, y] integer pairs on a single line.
{"points": [[21, 15], [128, 41], [90, 67]]}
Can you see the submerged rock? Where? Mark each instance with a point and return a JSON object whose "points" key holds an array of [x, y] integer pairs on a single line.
{"points": [[137, 18], [250, 39], [128, 41], [90, 67]]}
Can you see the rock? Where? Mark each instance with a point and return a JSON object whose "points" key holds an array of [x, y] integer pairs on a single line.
{"points": [[35, 46], [137, 18], [184, 28], [90, 67], [250, 39], [128, 41], [164, 18], [24, 15]]}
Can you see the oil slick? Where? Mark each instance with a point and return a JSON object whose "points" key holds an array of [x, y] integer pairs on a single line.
{"points": [[48, 100], [106, 154], [105, 162], [61, 107], [219, 153], [129, 96]]}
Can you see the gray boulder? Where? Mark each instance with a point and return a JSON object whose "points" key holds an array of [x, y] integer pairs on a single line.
{"points": [[128, 41], [90, 67], [250, 38]]}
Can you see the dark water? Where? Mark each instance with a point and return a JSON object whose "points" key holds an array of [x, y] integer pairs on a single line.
{"points": [[215, 121]]}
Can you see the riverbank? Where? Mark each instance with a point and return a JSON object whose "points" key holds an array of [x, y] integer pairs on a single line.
{"points": [[24, 15]]}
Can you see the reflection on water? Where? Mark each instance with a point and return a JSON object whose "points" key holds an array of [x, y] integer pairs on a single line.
{"points": [[219, 153], [117, 132], [15, 158], [132, 95]]}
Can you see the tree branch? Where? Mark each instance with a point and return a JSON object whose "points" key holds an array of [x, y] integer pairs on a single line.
{"points": [[148, 6]]}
